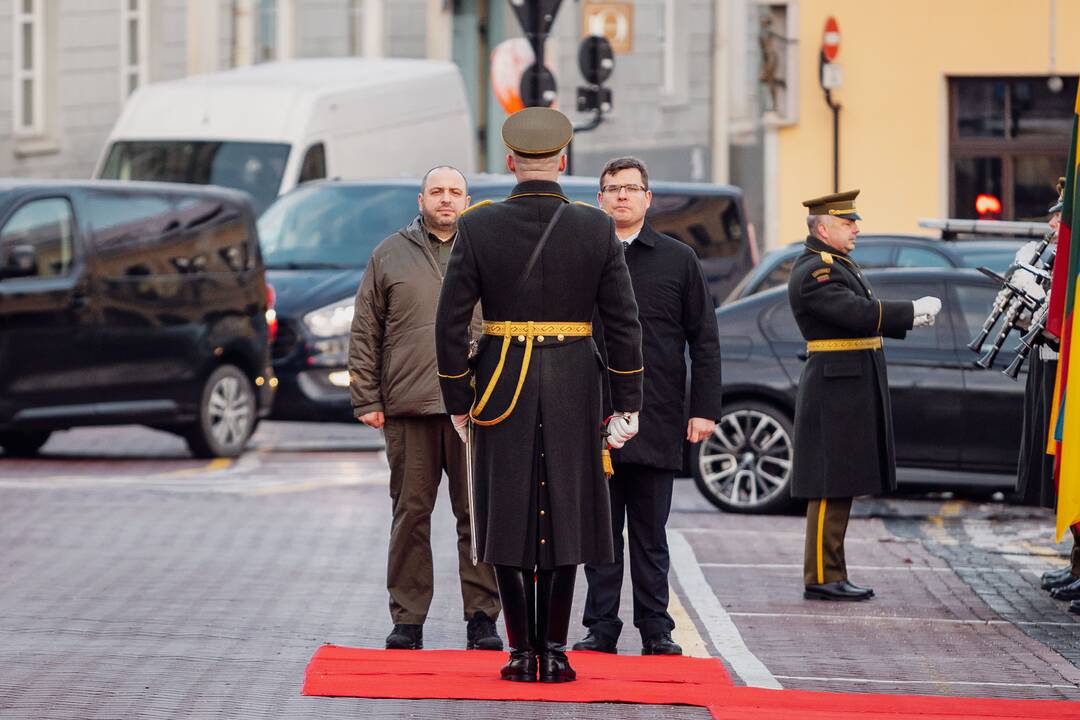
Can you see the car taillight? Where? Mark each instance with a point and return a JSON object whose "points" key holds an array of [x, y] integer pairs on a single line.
{"points": [[271, 314]]}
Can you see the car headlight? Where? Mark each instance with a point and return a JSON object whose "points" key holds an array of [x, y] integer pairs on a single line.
{"points": [[332, 320]]}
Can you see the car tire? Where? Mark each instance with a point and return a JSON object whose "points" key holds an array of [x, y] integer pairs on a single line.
{"points": [[745, 465], [23, 443], [226, 415]]}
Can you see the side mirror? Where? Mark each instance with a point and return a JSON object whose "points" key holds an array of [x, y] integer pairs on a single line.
{"points": [[21, 262]]}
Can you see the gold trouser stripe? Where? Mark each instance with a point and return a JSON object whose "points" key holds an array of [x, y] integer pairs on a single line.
{"points": [[530, 329], [821, 542], [872, 343]]}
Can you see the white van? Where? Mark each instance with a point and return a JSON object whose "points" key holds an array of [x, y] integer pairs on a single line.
{"points": [[266, 128]]}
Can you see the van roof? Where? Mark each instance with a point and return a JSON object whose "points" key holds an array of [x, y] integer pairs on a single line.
{"points": [[273, 102], [487, 180]]}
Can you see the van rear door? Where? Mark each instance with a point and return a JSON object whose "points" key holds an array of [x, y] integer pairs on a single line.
{"points": [[46, 319]]}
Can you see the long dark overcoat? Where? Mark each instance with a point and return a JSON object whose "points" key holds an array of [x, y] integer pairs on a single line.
{"points": [[538, 473], [843, 420]]}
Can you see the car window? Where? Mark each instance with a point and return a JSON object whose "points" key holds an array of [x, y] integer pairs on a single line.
{"points": [[776, 277], [779, 324], [975, 302], [997, 260], [314, 165], [37, 240], [871, 256], [916, 338], [917, 257], [707, 223], [123, 221]]}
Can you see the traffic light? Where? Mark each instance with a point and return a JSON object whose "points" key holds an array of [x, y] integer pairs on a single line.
{"points": [[596, 62]]}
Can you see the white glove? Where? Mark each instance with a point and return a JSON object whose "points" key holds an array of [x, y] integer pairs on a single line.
{"points": [[1029, 284], [923, 321], [928, 305], [621, 427], [461, 425]]}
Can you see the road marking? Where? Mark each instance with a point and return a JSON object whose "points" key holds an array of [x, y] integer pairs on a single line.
{"points": [[868, 568], [928, 682], [718, 624], [801, 537], [893, 618], [685, 632], [215, 465]]}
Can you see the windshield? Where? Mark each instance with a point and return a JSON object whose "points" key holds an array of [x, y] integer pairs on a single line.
{"points": [[997, 259], [328, 226], [255, 168]]}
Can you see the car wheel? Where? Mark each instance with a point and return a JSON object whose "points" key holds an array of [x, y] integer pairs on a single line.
{"points": [[23, 443], [745, 465], [226, 415]]}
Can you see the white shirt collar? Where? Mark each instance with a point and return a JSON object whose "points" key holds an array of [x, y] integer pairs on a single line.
{"points": [[632, 238]]}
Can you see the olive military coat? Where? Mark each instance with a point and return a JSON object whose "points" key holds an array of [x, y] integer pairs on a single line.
{"points": [[843, 421], [541, 495]]}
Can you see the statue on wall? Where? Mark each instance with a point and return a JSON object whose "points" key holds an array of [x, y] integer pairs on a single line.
{"points": [[771, 61]]}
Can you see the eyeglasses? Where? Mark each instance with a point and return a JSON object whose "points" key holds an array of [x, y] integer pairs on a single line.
{"points": [[617, 189]]}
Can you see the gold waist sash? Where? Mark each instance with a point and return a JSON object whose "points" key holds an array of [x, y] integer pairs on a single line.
{"points": [[871, 343], [526, 332]]}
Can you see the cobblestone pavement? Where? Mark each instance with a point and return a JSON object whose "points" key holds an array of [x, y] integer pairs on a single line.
{"points": [[141, 583]]}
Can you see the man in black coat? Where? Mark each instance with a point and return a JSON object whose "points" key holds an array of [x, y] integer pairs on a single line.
{"points": [[533, 391], [675, 310], [843, 421]]}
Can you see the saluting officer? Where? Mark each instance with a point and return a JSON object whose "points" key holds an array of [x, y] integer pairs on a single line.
{"points": [[843, 422], [540, 266]]}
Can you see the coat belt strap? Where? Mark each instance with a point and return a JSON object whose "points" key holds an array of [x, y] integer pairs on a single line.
{"points": [[871, 343], [538, 330]]}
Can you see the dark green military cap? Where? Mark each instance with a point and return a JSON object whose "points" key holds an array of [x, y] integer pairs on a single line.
{"points": [[537, 132], [836, 204]]}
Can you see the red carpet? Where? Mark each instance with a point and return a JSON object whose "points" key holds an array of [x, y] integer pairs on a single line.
{"points": [[458, 674]]}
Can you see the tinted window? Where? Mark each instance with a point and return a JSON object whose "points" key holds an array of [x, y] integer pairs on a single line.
{"points": [[214, 237], [776, 277], [708, 223], [975, 303], [314, 167], [255, 168], [328, 225], [871, 256], [122, 222], [920, 337], [997, 259], [779, 323], [37, 240], [916, 257]]}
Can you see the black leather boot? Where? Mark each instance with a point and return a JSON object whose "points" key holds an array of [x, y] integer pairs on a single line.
{"points": [[554, 600], [518, 605]]}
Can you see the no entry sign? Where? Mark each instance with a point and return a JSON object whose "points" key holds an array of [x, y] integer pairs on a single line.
{"points": [[830, 39]]}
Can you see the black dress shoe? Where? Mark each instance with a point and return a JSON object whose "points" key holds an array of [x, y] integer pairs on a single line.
{"points": [[521, 667], [837, 591], [1067, 592], [406, 637], [555, 668], [853, 588], [596, 643], [480, 634], [660, 644], [1074, 606], [1049, 582]]}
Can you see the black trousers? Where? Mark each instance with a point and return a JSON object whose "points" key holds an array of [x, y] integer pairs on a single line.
{"points": [[642, 495]]}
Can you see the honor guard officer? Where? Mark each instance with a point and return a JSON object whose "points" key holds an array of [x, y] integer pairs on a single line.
{"points": [[531, 398], [843, 422]]}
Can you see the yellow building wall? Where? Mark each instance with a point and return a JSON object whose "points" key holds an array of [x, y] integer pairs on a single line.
{"points": [[896, 57]]}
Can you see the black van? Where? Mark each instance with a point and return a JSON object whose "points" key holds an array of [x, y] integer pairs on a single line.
{"points": [[317, 239], [131, 303]]}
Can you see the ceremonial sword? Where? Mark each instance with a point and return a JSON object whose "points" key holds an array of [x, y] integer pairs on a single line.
{"points": [[469, 483]]}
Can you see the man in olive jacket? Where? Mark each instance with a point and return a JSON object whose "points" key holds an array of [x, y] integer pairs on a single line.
{"points": [[395, 387], [843, 421]]}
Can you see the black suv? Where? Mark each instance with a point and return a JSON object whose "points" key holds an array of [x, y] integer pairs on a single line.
{"points": [[317, 240], [131, 303]]}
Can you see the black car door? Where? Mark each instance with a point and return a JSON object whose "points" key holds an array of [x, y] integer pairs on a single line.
{"points": [[926, 383], [993, 403], [46, 320]]}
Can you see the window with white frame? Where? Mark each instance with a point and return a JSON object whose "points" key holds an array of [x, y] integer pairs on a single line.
{"points": [[356, 27], [266, 12], [29, 67], [674, 51], [134, 44]]}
